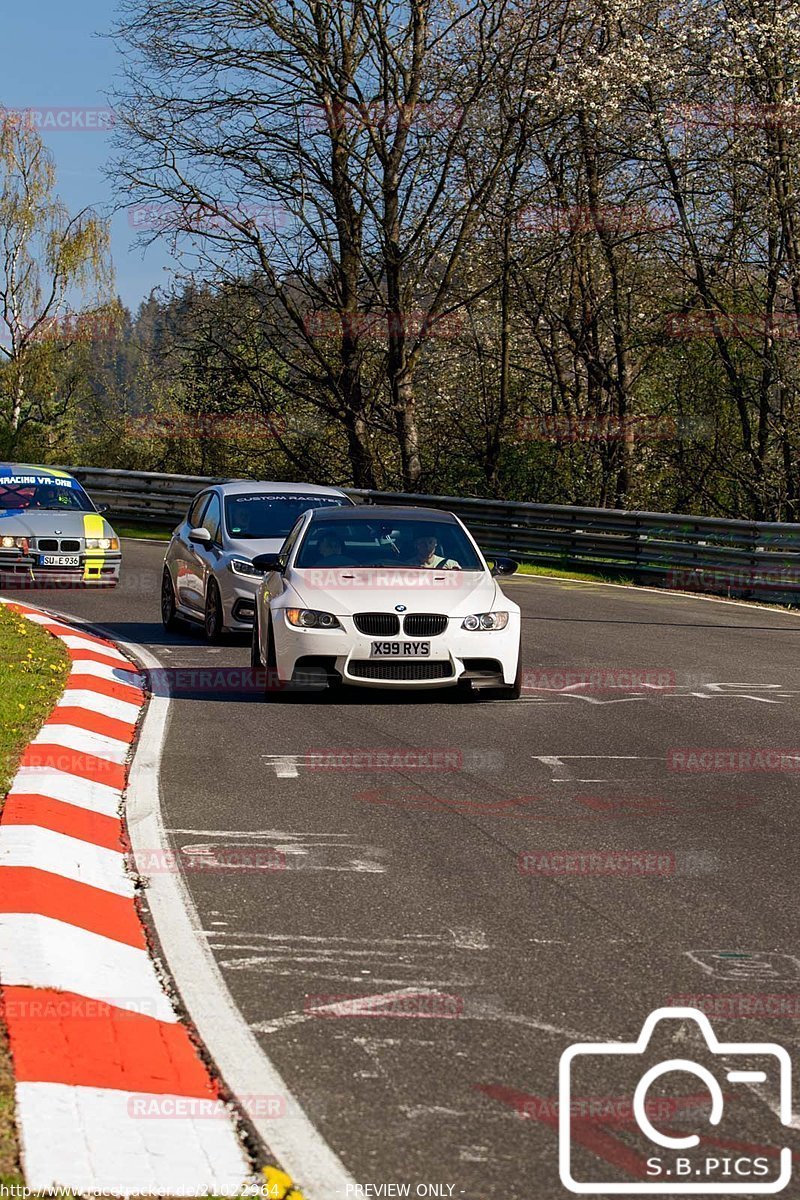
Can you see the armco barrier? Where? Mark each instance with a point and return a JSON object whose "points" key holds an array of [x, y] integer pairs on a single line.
{"points": [[756, 560]]}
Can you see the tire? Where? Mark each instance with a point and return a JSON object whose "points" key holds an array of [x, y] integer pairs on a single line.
{"points": [[213, 618], [272, 689], [169, 611], [255, 650]]}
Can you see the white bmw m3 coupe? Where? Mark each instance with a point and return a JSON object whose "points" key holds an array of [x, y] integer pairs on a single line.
{"points": [[385, 598]]}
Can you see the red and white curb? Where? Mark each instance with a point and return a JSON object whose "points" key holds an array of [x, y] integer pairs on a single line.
{"points": [[111, 1093]]}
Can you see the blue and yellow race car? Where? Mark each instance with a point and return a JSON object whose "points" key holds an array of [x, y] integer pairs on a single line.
{"points": [[52, 533]]}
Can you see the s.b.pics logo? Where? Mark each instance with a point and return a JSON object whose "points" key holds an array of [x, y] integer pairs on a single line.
{"points": [[699, 1121]]}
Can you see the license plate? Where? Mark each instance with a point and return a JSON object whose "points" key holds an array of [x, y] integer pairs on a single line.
{"points": [[59, 560], [400, 650]]}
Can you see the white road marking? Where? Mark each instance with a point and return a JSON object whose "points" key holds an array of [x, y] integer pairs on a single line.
{"points": [[294, 1141], [106, 671], [342, 1008], [72, 858], [41, 952]]}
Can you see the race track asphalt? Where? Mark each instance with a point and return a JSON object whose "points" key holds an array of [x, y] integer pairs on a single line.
{"points": [[408, 879]]}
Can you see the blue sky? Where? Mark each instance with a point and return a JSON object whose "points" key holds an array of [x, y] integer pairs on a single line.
{"points": [[52, 60]]}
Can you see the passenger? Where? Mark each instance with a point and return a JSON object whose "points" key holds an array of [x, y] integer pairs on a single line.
{"points": [[425, 555]]}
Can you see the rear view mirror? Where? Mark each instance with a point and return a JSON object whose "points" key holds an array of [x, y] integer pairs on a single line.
{"points": [[267, 562], [504, 566], [200, 537]]}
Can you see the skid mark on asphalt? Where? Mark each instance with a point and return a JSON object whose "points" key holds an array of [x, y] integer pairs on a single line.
{"points": [[301, 851]]}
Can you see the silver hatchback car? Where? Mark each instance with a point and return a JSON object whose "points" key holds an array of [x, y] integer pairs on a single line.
{"points": [[208, 573]]}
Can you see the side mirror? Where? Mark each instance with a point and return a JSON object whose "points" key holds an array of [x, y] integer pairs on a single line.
{"points": [[267, 563], [504, 566], [102, 508], [200, 537]]}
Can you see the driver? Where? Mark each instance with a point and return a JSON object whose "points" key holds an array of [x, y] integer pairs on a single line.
{"points": [[425, 555], [331, 551]]}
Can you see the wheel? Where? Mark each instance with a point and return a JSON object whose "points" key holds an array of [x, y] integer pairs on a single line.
{"points": [[255, 649], [212, 619], [169, 612]]}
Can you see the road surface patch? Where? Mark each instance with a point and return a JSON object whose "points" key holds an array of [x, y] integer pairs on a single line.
{"points": [[95, 1041]]}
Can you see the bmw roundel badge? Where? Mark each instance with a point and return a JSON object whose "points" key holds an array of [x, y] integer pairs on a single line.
{"points": [[399, 608]]}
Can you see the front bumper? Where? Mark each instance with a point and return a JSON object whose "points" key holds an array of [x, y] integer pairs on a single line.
{"points": [[19, 572], [238, 599], [486, 659]]}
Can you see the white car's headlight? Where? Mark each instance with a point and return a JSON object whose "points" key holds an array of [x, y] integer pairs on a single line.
{"points": [[485, 621], [240, 566], [310, 618], [102, 544], [14, 543]]}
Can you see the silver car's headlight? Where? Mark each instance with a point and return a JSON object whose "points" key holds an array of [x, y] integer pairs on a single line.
{"points": [[14, 543], [485, 621], [102, 544], [310, 618], [240, 566]]}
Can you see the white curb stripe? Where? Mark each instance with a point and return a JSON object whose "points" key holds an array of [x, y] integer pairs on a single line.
{"points": [[75, 642], [96, 702], [90, 1132], [61, 785], [59, 854], [95, 745], [106, 671], [41, 952]]}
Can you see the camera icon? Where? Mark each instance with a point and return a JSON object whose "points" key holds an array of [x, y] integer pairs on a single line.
{"points": [[680, 1164]]}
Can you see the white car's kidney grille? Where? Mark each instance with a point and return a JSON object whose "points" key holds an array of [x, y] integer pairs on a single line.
{"points": [[424, 624], [377, 624], [404, 672]]}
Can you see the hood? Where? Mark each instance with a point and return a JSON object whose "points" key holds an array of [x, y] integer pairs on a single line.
{"points": [[347, 590], [43, 522], [251, 547]]}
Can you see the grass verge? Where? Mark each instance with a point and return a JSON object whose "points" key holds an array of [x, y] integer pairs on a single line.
{"points": [[33, 670], [153, 533], [566, 573]]}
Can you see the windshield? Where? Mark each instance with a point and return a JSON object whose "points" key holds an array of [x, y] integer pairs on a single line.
{"points": [[270, 514], [365, 542], [36, 492]]}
